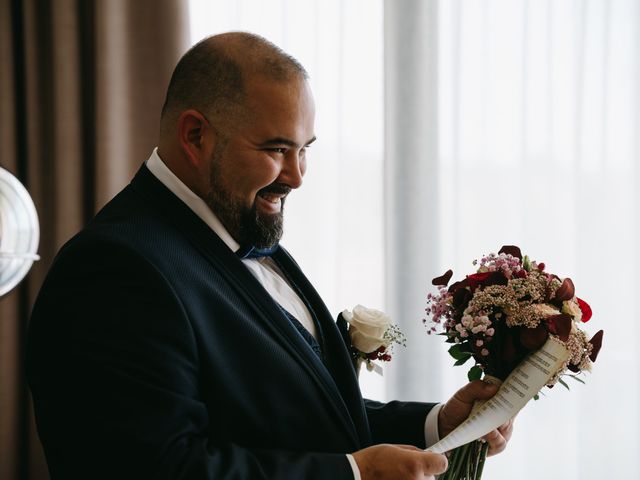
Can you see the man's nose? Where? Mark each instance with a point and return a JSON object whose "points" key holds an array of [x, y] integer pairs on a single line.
{"points": [[292, 169]]}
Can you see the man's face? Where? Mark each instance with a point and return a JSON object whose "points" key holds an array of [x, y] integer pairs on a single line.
{"points": [[260, 159]]}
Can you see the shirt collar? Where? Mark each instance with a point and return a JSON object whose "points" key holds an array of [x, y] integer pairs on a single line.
{"points": [[159, 170]]}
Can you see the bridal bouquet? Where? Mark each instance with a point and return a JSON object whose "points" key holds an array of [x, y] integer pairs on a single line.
{"points": [[498, 316]]}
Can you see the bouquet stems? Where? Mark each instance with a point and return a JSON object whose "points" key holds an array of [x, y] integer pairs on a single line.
{"points": [[482, 457], [466, 462]]}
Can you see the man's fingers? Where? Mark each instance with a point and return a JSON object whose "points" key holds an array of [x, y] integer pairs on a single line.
{"points": [[476, 390], [434, 463], [479, 390], [409, 447], [428, 463], [499, 438], [506, 430], [459, 406], [497, 443], [389, 462]]}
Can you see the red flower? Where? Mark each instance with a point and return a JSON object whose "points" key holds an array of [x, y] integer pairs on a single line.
{"points": [[585, 309], [477, 278]]}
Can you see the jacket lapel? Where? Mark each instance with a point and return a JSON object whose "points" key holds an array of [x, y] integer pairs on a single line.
{"points": [[337, 357], [246, 286]]}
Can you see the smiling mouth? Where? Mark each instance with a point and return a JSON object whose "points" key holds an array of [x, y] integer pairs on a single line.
{"points": [[272, 197], [275, 199], [270, 202]]}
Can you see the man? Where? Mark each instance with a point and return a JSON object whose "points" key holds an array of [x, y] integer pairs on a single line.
{"points": [[174, 338]]}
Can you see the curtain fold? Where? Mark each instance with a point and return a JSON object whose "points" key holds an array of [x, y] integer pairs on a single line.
{"points": [[411, 189], [81, 89], [521, 119]]}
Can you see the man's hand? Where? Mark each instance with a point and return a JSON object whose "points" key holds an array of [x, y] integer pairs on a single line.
{"points": [[382, 462], [457, 409]]}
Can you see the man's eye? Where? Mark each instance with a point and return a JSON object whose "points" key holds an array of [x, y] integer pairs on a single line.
{"points": [[278, 150]]}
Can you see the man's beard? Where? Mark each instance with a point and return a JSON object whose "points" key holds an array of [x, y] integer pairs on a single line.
{"points": [[247, 226]]}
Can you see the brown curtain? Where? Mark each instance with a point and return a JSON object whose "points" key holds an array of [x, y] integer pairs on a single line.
{"points": [[81, 88]]}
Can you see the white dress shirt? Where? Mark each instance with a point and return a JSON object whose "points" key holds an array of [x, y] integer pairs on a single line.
{"points": [[264, 269]]}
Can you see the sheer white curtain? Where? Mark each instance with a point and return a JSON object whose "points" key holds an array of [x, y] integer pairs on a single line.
{"points": [[334, 223], [535, 108], [505, 122]]}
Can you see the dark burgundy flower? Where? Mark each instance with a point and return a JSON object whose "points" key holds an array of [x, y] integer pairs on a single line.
{"points": [[511, 250], [541, 267], [559, 325], [566, 290], [461, 298], [585, 309], [496, 278], [458, 285], [533, 338], [509, 351], [596, 341], [443, 279]]}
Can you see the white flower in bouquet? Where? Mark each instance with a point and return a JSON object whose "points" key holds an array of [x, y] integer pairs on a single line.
{"points": [[572, 309]]}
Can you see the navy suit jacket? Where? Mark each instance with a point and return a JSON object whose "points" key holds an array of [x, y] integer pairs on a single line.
{"points": [[154, 353]]}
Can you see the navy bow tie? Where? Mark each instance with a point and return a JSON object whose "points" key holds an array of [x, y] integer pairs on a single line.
{"points": [[253, 252]]}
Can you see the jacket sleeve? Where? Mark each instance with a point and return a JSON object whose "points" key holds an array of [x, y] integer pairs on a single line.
{"points": [[398, 422], [113, 365], [393, 422]]}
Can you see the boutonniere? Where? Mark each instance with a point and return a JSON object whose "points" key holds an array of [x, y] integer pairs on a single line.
{"points": [[372, 335]]}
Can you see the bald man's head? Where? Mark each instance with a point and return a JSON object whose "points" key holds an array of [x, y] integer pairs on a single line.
{"points": [[212, 76]]}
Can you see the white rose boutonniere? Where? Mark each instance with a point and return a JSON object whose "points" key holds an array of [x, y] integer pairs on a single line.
{"points": [[372, 335]]}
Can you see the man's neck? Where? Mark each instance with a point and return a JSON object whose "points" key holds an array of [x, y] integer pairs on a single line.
{"points": [[159, 169]]}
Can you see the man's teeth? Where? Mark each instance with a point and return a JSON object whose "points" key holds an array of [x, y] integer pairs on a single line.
{"points": [[271, 198]]}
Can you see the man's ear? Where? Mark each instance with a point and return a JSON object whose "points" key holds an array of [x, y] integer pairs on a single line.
{"points": [[196, 137]]}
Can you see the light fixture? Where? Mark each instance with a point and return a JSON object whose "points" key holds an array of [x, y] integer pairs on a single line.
{"points": [[19, 232]]}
